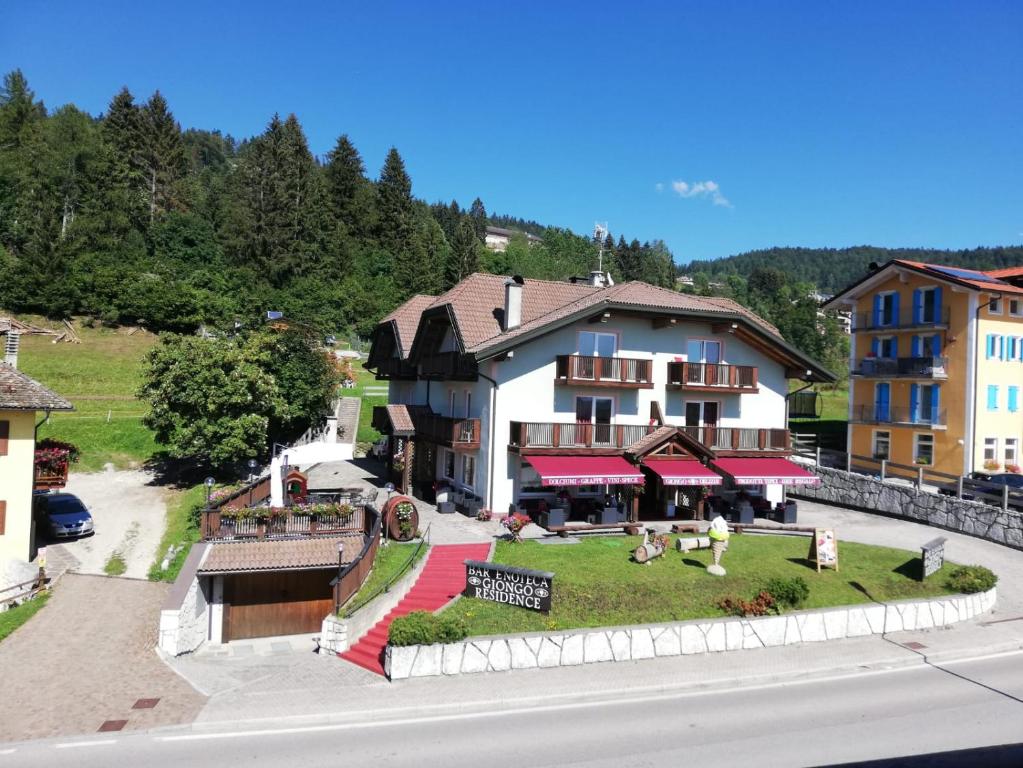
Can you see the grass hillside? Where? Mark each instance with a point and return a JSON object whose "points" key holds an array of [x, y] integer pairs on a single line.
{"points": [[99, 377]]}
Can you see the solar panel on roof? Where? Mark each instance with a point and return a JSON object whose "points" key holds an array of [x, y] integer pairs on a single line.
{"points": [[968, 274]]}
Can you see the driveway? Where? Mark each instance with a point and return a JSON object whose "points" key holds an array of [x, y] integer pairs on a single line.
{"points": [[88, 658], [130, 516]]}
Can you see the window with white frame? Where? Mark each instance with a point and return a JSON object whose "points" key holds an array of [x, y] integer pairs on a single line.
{"points": [[1016, 307], [1011, 453], [995, 307], [929, 305], [882, 444], [886, 309], [887, 346], [468, 470], [593, 344], [990, 449], [449, 465], [923, 449], [703, 351]]}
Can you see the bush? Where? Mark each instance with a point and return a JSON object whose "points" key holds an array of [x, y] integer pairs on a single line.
{"points": [[761, 605], [971, 578], [422, 628], [791, 592]]}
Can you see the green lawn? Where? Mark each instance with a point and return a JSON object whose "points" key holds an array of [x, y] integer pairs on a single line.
{"points": [[364, 378], [182, 529], [15, 617], [387, 562], [596, 583], [99, 377]]}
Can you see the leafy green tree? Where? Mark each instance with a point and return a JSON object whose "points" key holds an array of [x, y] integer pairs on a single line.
{"points": [[478, 215], [465, 253], [162, 159]]}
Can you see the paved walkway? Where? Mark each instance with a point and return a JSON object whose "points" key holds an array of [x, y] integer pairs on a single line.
{"points": [[86, 658]]}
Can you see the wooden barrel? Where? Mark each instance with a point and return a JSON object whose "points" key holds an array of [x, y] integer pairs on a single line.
{"points": [[390, 517]]}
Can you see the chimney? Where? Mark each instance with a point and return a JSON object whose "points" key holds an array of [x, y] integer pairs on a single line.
{"points": [[513, 302], [11, 349], [597, 279]]}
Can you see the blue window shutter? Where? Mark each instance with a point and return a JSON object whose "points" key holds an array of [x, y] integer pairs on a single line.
{"points": [[1003, 350], [914, 401], [992, 397], [895, 310], [914, 346], [918, 305], [935, 401], [937, 304], [877, 312], [882, 401], [875, 346], [990, 346], [1013, 399]]}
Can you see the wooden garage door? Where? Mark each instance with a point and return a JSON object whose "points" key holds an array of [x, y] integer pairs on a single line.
{"points": [[283, 603]]}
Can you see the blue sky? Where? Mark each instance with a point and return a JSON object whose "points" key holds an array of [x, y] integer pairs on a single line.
{"points": [[717, 127]]}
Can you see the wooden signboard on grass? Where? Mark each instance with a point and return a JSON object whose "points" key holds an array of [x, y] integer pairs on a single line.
{"points": [[824, 549]]}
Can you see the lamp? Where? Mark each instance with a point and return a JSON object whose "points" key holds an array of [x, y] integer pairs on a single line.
{"points": [[252, 469], [340, 568], [208, 482]]}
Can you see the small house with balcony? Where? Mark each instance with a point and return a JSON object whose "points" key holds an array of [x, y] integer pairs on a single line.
{"points": [[935, 367], [585, 401]]}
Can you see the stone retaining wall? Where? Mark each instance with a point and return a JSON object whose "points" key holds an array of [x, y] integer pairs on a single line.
{"points": [[499, 654], [849, 489]]}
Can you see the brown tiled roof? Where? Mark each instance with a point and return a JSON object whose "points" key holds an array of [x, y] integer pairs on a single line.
{"points": [[1006, 272], [661, 435], [644, 444], [406, 320], [18, 392], [280, 554]]}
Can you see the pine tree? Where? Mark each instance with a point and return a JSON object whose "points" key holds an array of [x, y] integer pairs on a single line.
{"points": [[394, 192], [478, 215], [162, 159], [18, 110], [346, 177], [465, 253]]}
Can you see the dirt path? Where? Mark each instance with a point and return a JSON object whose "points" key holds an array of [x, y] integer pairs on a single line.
{"points": [[130, 516]]}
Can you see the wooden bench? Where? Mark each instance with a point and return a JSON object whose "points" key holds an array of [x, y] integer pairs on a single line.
{"points": [[632, 529], [691, 527]]}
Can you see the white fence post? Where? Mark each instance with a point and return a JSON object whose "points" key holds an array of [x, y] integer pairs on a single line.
{"points": [[959, 487], [1005, 498], [848, 462], [818, 455], [919, 477], [884, 468]]}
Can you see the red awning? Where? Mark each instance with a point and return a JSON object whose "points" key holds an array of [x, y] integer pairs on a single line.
{"points": [[683, 472], [585, 470], [767, 471]]}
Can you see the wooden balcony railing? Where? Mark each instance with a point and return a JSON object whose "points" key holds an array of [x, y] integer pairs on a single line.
{"points": [[713, 376], [741, 438], [447, 430], [448, 365], [532, 434], [626, 372], [394, 368], [262, 523], [904, 367]]}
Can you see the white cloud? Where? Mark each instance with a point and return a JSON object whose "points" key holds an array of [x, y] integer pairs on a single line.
{"points": [[701, 189]]}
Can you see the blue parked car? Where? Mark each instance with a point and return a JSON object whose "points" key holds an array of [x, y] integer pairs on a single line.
{"points": [[64, 515]]}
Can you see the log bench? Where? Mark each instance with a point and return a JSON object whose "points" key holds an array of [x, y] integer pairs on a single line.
{"points": [[691, 527], [632, 529]]}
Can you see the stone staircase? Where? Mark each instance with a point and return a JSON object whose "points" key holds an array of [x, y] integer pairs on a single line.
{"points": [[348, 419]]}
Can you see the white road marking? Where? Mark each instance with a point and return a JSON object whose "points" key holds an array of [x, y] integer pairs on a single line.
{"points": [[74, 744]]}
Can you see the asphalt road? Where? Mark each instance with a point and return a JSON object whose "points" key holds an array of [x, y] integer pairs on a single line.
{"points": [[866, 716]]}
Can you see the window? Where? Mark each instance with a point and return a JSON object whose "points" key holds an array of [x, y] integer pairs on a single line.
{"points": [[995, 307], [929, 305], [992, 397], [468, 470], [592, 344], [990, 449], [923, 449], [1011, 347], [598, 412], [882, 402], [468, 403], [886, 309], [1013, 397], [1011, 452], [700, 351], [449, 465], [701, 414], [1016, 308], [882, 444], [888, 346], [925, 410]]}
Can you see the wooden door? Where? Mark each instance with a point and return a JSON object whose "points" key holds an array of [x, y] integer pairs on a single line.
{"points": [[281, 603]]}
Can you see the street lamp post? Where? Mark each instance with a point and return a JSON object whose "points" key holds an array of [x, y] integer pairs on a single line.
{"points": [[340, 568], [252, 469], [208, 482]]}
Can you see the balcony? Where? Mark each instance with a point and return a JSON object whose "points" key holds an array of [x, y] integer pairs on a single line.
{"points": [[445, 430], [741, 439], [905, 320], [902, 367], [286, 523], [893, 414], [448, 365], [621, 372], [395, 368], [713, 377], [596, 438]]}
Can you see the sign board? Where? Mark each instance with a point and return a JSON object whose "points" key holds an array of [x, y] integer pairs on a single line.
{"points": [[508, 585], [933, 555], [824, 549]]}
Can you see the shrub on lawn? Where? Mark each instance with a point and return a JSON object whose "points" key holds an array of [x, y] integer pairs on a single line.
{"points": [[422, 628], [791, 592], [971, 578], [761, 605]]}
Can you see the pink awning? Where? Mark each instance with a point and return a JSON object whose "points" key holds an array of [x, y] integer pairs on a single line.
{"points": [[585, 470], [766, 471], [682, 472]]}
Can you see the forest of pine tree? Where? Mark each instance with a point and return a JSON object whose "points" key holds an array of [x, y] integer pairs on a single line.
{"points": [[128, 219]]}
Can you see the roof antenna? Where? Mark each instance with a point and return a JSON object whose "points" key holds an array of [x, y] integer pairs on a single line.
{"points": [[597, 278]]}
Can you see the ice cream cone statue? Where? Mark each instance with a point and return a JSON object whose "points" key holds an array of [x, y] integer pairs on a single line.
{"points": [[718, 543]]}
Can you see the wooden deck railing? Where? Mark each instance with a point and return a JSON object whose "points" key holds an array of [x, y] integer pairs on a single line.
{"points": [[741, 438], [264, 523], [532, 434], [713, 376], [448, 430], [627, 372], [448, 365]]}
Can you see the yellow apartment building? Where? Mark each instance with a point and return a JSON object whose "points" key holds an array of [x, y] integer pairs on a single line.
{"points": [[936, 366], [21, 401]]}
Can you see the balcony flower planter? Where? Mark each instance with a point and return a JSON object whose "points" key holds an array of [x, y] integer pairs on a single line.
{"points": [[52, 461], [401, 518]]}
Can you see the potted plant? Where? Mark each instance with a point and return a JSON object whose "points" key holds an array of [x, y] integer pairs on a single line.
{"points": [[515, 522], [484, 515], [1012, 468], [403, 512], [992, 465]]}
